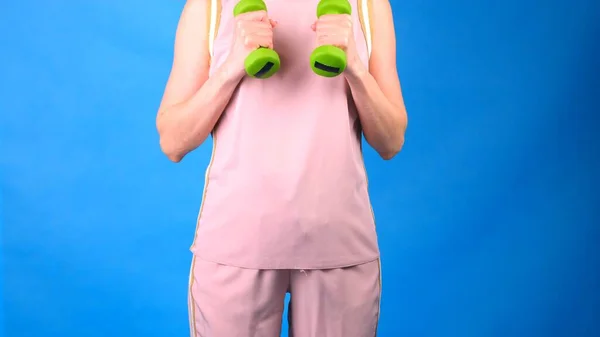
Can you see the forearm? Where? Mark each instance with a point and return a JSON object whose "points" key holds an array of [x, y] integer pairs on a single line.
{"points": [[185, 126], [383, 122]]}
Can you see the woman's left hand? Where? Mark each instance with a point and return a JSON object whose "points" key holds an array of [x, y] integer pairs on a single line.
{"points": [[337, 30]]}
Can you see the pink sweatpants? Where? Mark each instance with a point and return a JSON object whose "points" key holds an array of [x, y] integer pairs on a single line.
{"points": [[226, 301]]}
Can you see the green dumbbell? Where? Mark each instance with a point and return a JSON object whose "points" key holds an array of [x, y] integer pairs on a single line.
{"points": [[262, 62], [330, 61]]}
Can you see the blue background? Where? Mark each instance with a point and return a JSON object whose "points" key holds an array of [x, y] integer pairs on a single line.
{"points": [[488, 220]]}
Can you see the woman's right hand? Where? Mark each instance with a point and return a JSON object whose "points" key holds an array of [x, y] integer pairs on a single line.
{"points": [[252, 31]]}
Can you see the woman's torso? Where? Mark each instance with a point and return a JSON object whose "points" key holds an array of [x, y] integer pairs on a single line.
{"points": [[286, 187]]}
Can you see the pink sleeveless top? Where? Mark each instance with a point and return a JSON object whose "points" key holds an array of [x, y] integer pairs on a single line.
{"points": [[286, 187]]}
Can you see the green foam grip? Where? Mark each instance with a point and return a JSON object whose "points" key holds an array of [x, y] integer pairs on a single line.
{"points": [[330, 61], [262, 62], [333, 7], [247, 6]]}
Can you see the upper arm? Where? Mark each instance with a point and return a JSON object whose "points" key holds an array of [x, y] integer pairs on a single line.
{"points": [[191, 58], [382, 63]]}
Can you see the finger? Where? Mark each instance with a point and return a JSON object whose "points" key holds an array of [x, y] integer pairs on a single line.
{"points": [[250, 27], [331, 34], [263, 37], [333, 24], [252, 16], [260, 24], [267, 24], [335, 17], [261, 32], [326, 29], [321, 25], [333, 40], [264, 41], [257, 42]]}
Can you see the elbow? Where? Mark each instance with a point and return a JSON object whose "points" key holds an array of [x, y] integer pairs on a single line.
{"points": [[396, 145], [393, 150], [167, 145], [174, 157], [172, 154], [388, 155]]}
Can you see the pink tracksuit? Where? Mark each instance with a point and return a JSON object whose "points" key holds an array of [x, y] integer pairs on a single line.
{"points": [[285, 206]]}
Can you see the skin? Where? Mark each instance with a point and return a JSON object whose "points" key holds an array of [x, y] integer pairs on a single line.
{"points": [[376, 90], [192, 102]]}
